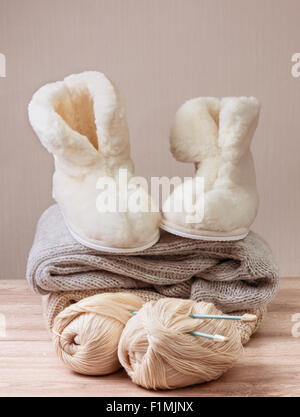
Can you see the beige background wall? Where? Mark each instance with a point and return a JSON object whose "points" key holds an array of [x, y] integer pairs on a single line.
{"points": [[160, 53]]}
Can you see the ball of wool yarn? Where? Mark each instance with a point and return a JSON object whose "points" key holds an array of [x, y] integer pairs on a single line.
{"points": [[158, 352], [86, 334]]}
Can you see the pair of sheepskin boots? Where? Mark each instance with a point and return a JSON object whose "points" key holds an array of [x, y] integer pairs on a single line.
{"points": [[81, 121]]}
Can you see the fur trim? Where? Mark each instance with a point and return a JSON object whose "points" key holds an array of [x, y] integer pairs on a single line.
{"points": [[204, 124], [238, 121], [54, 111]]}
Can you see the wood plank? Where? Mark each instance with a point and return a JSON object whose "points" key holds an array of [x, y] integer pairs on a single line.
{"points": [[270, 365]]}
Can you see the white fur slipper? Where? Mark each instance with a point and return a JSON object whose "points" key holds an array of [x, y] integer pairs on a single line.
{"points": [[81, 121], [215, 134]]}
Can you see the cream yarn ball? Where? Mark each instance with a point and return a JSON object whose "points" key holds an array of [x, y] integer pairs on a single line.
{"points": [[158, 352], [86, 334]]}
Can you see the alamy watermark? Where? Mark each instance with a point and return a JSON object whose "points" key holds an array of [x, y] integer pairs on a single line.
{"points": [[296, 327], [2, 65], [295, 70], [128, 193], [2, 325]]}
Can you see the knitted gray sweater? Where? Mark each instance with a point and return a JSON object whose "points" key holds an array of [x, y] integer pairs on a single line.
{"points": [[233, 275]]}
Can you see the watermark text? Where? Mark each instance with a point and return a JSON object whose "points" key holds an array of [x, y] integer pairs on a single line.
{"points": [[127, 193], [296, 327], [295, 70], [2, 65], [2, 325]]}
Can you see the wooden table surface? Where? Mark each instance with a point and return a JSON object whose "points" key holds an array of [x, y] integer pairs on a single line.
{"points": [[270, 365]]}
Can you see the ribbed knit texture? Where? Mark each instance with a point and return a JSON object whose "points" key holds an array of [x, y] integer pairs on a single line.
{"points": [[237, 275]]}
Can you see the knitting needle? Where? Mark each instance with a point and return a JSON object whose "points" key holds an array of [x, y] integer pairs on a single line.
{"points": [[244, 317], [214, 337]]}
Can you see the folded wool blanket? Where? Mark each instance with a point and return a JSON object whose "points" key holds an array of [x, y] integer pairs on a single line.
{"points": [[236, 275], [54, 303]]}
